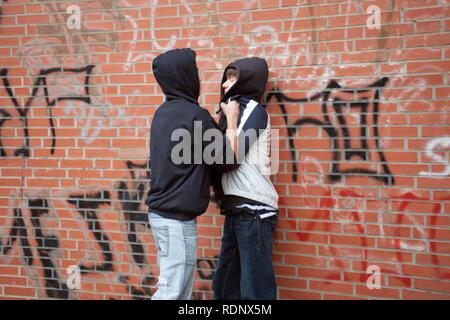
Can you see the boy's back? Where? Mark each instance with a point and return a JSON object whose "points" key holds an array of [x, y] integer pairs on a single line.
{"points": [[180, 191], [177, 191], [180, 178]]}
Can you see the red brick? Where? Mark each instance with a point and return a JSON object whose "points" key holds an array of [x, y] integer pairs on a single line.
{"points": [[432, 285], [328, 232], [337, 287], [319, 274], [424, 295], [340, 297], [19, 291], [291, 283], [383, 293], [287, 294]]}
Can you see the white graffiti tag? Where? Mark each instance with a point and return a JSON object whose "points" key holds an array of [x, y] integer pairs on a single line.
{"points": [[441, 143]]}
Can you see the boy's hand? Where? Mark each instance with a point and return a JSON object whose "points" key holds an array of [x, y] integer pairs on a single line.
{"points": [[230, 110]]}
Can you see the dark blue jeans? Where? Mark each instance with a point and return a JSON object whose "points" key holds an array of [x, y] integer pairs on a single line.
{"points": [[245, 269]]}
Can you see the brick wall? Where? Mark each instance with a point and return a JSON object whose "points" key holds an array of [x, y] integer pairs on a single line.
{"points": [[364, 142]]}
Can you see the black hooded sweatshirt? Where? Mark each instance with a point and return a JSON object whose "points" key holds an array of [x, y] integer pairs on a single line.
{"points": [[251, 84], [179, 192]]}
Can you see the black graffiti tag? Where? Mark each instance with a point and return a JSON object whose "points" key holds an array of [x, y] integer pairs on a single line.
{"points": [[339, 134], [18, 232], [42, 82], [47, 243], [87, 205], [55, 288], [130, 201]]}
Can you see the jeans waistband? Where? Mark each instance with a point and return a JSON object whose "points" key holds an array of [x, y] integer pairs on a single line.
{"points": [[157, 217], [243, 212]]}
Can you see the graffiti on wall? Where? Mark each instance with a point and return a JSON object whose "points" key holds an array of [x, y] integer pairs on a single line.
{"points": [[100, 254], [78, 90], [339, 106], [337, 100], [347, 118], [87, 205], [432, 151]]}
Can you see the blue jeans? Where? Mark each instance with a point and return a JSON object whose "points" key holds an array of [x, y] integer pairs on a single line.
{"points": [[245, 270], [176, 242]]}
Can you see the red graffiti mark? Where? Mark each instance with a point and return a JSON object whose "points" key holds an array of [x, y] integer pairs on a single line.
{"points": [[327, 202], [356, 217], [437, 208]]}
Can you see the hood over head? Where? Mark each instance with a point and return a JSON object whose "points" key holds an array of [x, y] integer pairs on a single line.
{"points": [[177, 73], [252, 80]]}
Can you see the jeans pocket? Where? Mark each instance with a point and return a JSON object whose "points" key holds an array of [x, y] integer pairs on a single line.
{"points": [[249, 228], [267, 230], [190, 241], [272, 222], [246, 215], [259, 226], [161, 236]]}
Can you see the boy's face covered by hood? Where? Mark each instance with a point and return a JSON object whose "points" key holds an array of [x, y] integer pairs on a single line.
{"points": [[253, 75], [227, 85], [177, 73]]}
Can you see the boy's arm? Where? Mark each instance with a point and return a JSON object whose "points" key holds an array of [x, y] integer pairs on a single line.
{"points": [[231, 111], [226, 149]]}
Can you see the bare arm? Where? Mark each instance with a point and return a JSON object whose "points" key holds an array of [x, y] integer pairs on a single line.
{"points": [[231, 112]]}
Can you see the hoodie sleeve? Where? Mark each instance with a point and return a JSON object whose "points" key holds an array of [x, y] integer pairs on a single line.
{"points": [[216, 147], [254, 119]]}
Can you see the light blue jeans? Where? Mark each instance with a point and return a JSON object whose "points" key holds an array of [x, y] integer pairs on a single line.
{"points": [[176, 242]]}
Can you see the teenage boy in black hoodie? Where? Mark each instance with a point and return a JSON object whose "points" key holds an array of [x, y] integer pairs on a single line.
{"points": [[246, 195], [180, 192]]}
